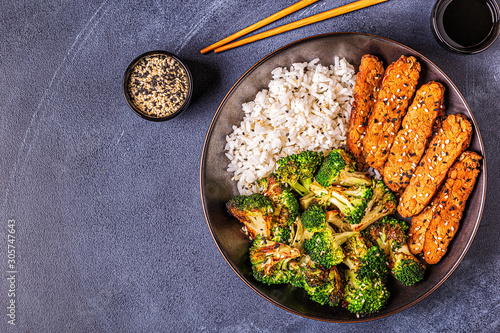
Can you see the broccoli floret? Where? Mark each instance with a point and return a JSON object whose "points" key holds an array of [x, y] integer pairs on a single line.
{"points": [[270, 261], [286, 206], [255, 211], [364, 296], [298, 170], [350, 201], [323, 285], [390, 235], [325, 248], [314, 219], [406, 268], [382, 203], [282, 234], [339, 168], [365, 259]]}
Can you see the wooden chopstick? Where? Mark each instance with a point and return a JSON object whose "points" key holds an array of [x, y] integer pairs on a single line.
{"points": [[291, 9], [301, 23]]}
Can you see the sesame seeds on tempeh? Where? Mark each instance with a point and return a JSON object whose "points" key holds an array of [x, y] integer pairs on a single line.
{"points": [[398, 86], [458, 130], [448, 206], [411, 140], [368, 80]]}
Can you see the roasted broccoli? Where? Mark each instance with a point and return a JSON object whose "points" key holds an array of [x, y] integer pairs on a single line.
{"points": [[363, 296], [282, 234], [307, 200], [339, 168], [298, 170], [382, 203], [324, 247], [365, 259], [350, 201], [255, 211], [314, 219], [405, 267], [299, 234], [390, 235], [334, 217], [323, 285], [286, 206], [270, 261]]}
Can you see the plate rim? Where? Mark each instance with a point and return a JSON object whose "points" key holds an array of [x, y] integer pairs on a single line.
{"points": [[205, 148]]}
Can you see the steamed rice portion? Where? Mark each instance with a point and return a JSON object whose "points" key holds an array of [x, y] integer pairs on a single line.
{"points": [[306, 107]]}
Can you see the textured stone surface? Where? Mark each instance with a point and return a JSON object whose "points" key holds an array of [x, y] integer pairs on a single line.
{"points": [[110, 233]]}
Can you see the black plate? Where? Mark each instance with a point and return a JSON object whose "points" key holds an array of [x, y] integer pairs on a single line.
{"points": [[217, 187]]}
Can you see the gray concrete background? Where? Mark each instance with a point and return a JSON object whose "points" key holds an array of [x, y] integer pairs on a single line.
{"points": [[110, 232]]}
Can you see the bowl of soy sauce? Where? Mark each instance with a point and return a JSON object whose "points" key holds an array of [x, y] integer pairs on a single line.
{"points": [[466, 26]]}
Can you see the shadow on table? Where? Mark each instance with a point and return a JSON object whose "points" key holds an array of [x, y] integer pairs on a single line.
{"points": [[205, 77]]}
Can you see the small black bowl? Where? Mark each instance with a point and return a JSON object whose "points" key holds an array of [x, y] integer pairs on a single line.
{"points": [[466, 26], [178, 69]]}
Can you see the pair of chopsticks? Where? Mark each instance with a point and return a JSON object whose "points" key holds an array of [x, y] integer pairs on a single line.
{"points": [[223, 45]]}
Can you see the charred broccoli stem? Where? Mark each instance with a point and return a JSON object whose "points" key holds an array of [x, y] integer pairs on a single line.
{"points": [[298, 170], [339, 168]]}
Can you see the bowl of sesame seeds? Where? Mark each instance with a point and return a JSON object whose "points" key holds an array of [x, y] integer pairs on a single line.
{"points": [[157, 85]]}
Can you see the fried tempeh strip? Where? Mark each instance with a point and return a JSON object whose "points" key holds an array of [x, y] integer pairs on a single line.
{"points": [[398, 87], [446, 145], [411, 140], [418, 228], [448, 206], [368, 80]]}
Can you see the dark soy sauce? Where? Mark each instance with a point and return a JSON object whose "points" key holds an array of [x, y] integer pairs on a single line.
{"points": [[467, 22], [466, 25]]}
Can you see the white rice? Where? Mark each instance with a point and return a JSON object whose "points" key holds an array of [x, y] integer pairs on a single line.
{"points": [[306, 107]]}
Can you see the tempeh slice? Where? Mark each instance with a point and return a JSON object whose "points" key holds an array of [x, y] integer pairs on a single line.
{"points": [[368, 80], [446, 145], [448, 206], [396, 92], [411, 140], [418, 228]]}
